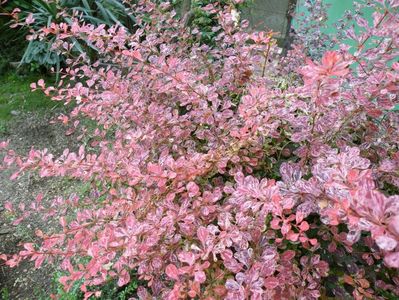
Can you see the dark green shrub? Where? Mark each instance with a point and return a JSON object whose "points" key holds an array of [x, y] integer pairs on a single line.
{"points": [[44, 13]]}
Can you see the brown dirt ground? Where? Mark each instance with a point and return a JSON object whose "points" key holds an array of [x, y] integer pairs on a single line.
{"points": [[26, 130]]}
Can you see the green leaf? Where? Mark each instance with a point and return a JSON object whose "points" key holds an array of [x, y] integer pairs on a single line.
{"points": [[50, 18], [97, 21], [77, 45], [112, 16], [27, 53], [104, 13], [86, 4], [117, 4]]}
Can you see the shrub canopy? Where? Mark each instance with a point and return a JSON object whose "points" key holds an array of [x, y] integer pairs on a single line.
{"points": [[213, 180]]}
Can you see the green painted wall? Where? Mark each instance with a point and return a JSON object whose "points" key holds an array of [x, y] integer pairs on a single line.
{"points": [[335, 12]]}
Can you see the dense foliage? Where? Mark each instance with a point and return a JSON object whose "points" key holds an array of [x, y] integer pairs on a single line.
{"points": [[211, 180]]}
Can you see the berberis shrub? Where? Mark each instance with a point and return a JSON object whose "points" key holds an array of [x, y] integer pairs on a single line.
{"points": [[213, 183]]}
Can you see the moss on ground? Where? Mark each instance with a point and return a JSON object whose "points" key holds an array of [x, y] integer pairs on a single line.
{"points": [[16, 97]]}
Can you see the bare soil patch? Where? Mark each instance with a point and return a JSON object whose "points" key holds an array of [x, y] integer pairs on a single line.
{"points": [[24, 131]]}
